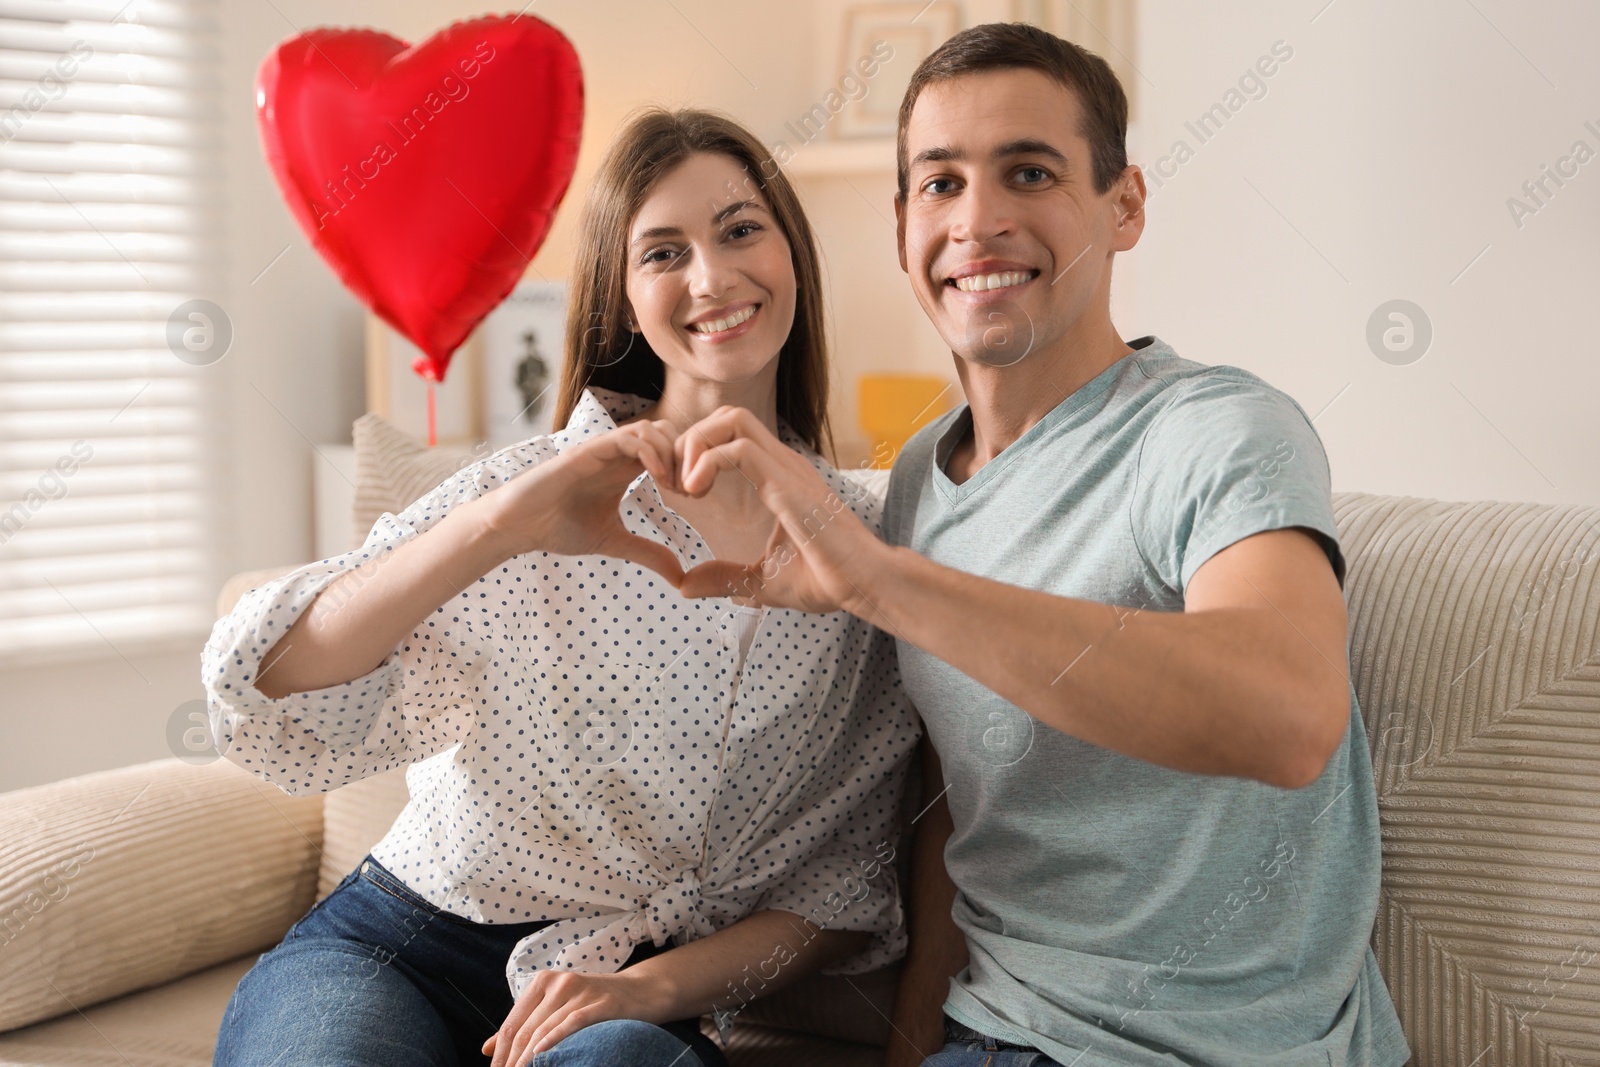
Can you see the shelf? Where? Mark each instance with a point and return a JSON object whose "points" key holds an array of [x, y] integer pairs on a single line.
{"points": [[875, 155], [872, 155]]}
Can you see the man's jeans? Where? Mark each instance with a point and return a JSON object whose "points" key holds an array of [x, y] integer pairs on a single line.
{"points": [[965, 1047], [374, 973]]}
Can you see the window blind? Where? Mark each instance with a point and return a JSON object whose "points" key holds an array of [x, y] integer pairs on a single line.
{"points": [[110, 220]]}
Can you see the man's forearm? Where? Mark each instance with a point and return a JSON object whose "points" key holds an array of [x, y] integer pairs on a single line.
{"points": [[1215, 692]]}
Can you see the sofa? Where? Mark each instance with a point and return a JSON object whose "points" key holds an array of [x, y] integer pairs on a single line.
{"points": [[133, 900]]}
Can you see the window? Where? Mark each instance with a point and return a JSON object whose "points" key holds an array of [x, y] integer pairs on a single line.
{"points": [[110, 222]]}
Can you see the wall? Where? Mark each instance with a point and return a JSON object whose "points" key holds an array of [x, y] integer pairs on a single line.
{"points": [[294, 373], [1377, 166]]}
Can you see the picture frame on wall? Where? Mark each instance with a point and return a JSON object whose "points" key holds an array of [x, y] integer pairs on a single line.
{"points": [[912, 30], [501, 385], [1109, 28], [523, 343]]}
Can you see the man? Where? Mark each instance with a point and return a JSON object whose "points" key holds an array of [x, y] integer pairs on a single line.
{"points": [[1115, 583]]}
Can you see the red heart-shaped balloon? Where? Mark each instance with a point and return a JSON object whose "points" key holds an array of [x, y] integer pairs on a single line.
{"points": [[427, 177]]}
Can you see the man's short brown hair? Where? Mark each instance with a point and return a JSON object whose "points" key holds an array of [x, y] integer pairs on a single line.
{"points": [[1014, 45]]}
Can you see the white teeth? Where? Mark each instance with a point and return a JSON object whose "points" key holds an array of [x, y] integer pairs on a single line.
{"points": [[719, 325], [977, 283]]}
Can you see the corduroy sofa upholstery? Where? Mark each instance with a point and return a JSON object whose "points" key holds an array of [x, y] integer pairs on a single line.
{"points": [[133, 900]]}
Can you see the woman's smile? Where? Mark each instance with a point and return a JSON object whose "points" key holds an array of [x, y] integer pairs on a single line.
{"points": [[725, 324]]}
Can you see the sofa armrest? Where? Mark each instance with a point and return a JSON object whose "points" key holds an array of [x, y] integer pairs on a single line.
{"points": [[124, 879], [355, 817]]}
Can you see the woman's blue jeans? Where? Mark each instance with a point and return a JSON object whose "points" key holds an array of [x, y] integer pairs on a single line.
{"points": [[374, 974]]}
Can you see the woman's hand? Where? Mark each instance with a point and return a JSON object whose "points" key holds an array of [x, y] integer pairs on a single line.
{"points": [[568, 504], [681, 983], [557, 1004], [819, 552]]}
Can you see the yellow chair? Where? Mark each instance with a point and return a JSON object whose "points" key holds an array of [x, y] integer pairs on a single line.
{"points": [[892, 407]]}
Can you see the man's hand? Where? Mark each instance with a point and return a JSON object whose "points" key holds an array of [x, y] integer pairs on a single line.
{"points": [[557, 1004], [819, 547]]}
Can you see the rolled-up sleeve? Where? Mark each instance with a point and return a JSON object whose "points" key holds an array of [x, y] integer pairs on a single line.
{"points": [[417, 702]]}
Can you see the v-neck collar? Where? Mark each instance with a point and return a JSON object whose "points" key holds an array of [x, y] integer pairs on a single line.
{"points": [[960, 424]]}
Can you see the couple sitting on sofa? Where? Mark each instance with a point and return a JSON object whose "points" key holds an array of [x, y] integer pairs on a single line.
{"points": [[650, 779]]}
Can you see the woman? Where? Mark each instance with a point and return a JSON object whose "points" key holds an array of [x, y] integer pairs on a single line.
{"points": [[598, 765]]}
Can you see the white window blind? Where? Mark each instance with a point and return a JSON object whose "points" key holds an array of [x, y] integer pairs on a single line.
{"points": [[110, 187]]}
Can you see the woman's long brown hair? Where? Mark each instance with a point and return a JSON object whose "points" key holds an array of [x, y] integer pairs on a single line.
{"points": [[601, 351]]}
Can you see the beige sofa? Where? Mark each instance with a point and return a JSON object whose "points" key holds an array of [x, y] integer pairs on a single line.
{"points": [[132, 901]]}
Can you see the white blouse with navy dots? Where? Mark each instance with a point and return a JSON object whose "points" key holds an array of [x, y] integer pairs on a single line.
{"points": [[587, 745]]}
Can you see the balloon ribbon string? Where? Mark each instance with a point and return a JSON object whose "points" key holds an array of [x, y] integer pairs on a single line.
{"points": [[433, 435]]}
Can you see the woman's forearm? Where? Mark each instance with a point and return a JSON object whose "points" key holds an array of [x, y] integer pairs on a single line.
{"points": [[753, 957], [358, 619]]}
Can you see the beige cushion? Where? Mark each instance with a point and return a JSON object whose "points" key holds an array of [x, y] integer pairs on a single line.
{"points": [[128, 878], [1475, 645], [393, 469]]}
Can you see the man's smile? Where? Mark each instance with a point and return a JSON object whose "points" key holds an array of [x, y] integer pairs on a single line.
{"points": [[988, 275]]}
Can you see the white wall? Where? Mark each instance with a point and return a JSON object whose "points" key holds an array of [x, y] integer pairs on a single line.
{"points": [[295, 370], [299, 333], [1391, 142]]}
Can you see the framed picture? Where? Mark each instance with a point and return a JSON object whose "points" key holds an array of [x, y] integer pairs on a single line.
{"points": [[898, 36], [1109, 28], [523, 343], [400, 394], [500, 387]]}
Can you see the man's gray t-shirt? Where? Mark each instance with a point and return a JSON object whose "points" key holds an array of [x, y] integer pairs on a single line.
{"points": [[1116, 910]]}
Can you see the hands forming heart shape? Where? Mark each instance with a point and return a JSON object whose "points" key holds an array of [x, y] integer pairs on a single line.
{"points": [[816, 560], [569, 506]]}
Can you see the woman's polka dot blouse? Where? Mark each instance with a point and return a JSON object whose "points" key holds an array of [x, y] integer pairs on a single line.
{"points": [[586, 745]]}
